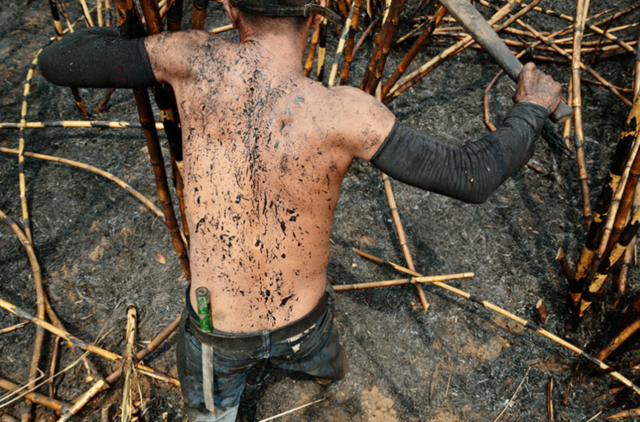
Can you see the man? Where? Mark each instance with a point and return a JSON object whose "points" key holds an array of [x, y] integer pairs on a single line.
{"points": [[265, 151]]}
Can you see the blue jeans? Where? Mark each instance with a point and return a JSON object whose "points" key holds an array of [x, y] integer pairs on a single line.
{"points": [[315, 351]]}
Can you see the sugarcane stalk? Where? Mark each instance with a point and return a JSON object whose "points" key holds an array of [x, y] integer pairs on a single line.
{"points": [[565, 399], [78, 124], [621, 282], [21, 177], [42, 302], [625, 203], [565, 265], [606, 263], [169, 114], [129, 371], [630, 413], [56, 18], [636, 71], [40, 306], [485, 101], [322, 50], [592, 57], [147, 202], [107, 12], [550, 415], [527, 324], [617, 341], [402, 238], [342, 8], [199, 13], [93, 374], [619, 88], [13, 327], [623, 275], [86, 13], [149, 348], [99, 13], [384, 41], [84, 399], [400, 282], [594, 26], [48, 402], [101, 106], [349, 50], [311, 51], [363, 37], [431, 25], [625, 153], [412, 78], [174, 16], [128, 19], [83, 344], [52, 367], [341, 44], [575, 60]]}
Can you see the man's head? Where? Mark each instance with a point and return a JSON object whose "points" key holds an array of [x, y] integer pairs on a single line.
{"points": [[277, 15]]}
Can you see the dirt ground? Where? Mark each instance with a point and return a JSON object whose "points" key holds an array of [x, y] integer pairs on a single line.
{"points": [[99, 250]]}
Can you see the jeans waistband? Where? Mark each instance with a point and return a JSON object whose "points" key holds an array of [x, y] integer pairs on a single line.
{"points": [[259, 339]]}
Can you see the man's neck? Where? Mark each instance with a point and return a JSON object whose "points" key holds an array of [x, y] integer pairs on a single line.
{"points": [[280, 50]]}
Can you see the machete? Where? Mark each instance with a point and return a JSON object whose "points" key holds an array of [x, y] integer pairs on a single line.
{"points": [[473, 22]]}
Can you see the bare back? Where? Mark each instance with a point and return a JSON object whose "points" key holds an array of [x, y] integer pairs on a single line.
{"points": [[265, 151]]}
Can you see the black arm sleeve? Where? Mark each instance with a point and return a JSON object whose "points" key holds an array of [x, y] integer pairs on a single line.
{"points": [[97, 58], [469, 173]]}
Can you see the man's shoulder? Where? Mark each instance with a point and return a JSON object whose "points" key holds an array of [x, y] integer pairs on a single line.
{"points": [[186, 42]]}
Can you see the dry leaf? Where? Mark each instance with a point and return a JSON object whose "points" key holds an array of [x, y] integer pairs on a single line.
{"points": [[160, 258]]}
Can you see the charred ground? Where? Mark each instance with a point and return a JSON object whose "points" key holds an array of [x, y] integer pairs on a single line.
{"points": [[98, 249]]}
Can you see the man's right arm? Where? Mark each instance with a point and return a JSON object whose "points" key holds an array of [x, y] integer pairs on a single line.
{"points": [[99, 58]]}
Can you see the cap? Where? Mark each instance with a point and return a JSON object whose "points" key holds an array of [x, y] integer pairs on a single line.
{"points": [[274, 8]]}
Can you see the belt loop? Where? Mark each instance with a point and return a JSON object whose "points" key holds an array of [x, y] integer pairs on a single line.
{"points": [[330, 291], [266, 343]]}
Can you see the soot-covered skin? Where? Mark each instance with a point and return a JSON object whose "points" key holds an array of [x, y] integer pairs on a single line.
{"points": [[265, 150]]}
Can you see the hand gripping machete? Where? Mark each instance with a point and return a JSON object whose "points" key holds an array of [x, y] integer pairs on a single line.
{"points": [[473, 22]]}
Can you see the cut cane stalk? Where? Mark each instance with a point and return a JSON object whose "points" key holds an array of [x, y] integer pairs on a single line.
{"points": [[509, 315], [40, 306], [199, 14], [349, 51], [341, 44], [411, 79], [614, 344], [143, 369], [607, 262], [322, 50], [129, 368], [607, 205], [128, 19], [402, 238], [384, 42], [147, 202], [400, 282], [174, 16], [169, 113], [311, 51], [411, 54], [78, 124], [48, 402]]}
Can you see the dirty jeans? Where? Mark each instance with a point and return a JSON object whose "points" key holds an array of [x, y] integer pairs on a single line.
{"points": [[315, 351]]}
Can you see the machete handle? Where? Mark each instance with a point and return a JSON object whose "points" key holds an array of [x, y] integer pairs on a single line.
{"points": [[562, 113], [473, 22]]}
